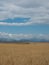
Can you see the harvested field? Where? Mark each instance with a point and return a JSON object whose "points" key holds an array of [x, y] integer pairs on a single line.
{"points": [[24, 54]]}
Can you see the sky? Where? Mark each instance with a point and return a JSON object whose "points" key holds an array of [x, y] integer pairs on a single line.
{"points": [[21, 19]]}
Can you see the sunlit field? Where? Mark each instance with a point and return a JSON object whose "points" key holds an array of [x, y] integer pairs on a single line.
{"points": [[24, 54]]}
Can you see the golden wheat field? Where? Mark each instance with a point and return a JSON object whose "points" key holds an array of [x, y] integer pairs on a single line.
{"points": [[24, 54]]}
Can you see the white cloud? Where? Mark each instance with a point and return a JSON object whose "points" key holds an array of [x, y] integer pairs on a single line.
{"points": [[15, 24], [24, 36], [15, 36], [37, 10]]}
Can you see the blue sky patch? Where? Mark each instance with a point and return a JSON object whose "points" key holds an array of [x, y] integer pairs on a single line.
{"points": [[15, 20]]}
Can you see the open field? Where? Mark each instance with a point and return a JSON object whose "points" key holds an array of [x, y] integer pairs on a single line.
{"points": [[24, 54]]}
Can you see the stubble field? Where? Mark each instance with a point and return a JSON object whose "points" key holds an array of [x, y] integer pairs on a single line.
{"points": [[24, 54]]}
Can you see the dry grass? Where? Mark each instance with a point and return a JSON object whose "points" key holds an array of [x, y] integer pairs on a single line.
{"points": [[24, 54]]}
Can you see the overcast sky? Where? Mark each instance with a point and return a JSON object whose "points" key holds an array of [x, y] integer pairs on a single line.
{"points": [[24, 18]]}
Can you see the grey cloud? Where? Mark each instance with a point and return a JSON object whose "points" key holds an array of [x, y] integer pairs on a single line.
{"points": [[37, 10]]}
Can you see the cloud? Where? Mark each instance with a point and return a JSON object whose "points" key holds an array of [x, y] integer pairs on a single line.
{"points": [[15, 24], [30, 22], [37, 10], [15, 36], [24, 36]]}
